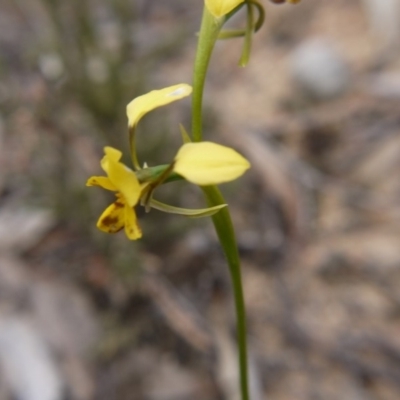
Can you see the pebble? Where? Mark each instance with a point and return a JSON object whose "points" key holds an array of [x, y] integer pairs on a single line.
{"points": [[319, 70]]}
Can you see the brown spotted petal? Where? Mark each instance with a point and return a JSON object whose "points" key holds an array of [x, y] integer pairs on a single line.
{"points": [[113, 218]]}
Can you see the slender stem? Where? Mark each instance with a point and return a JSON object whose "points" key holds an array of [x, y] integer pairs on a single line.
{"points": [[209, 31], [132, 147], [226, 235]]}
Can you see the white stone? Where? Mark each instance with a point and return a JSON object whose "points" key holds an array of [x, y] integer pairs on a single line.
{"points": [[319, 69]]}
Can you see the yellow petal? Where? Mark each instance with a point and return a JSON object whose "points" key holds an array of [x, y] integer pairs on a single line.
{"points": [[140, 106], [113, 218], [132, 228], [207, 163], [122, 178], [110, 154], [219, 8], [101, 181]]}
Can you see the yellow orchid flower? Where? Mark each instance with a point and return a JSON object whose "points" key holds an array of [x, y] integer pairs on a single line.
{"points": [[207, 163], [203, 163], [122, 180], [219, 8]]}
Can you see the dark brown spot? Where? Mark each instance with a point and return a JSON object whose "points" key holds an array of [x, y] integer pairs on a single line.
{"points": [[118, 204], [111, 223], [136, 231]]}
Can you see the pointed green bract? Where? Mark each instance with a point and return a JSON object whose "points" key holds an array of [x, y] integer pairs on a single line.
{"points": [[185, 135]]}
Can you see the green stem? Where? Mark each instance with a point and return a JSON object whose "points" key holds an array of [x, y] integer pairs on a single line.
{"points": [[226, 235], [209, 31], [132, 147]]}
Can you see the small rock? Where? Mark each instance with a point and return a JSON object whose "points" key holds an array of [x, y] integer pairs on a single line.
{"points": [[319, 70]]}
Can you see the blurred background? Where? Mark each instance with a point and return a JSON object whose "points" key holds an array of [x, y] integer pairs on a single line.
{"points": [[90, 316]]}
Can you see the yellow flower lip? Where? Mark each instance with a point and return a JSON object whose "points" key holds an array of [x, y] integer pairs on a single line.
{"points": [[207, 163], [219, 8], [141, 105]]}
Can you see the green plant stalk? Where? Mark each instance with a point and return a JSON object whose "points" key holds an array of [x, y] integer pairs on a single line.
{"points": [[209, 31], [226, 235], [208, 35]]}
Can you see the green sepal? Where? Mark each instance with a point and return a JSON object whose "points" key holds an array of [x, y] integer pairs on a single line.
{"points": [[188, 212]]}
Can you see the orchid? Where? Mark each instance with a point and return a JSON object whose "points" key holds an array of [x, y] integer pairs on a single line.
{"points": [[203, 164]]}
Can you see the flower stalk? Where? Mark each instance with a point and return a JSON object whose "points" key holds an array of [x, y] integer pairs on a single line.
{"points": [[209, 31], [200, 162], [208, 35]]}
